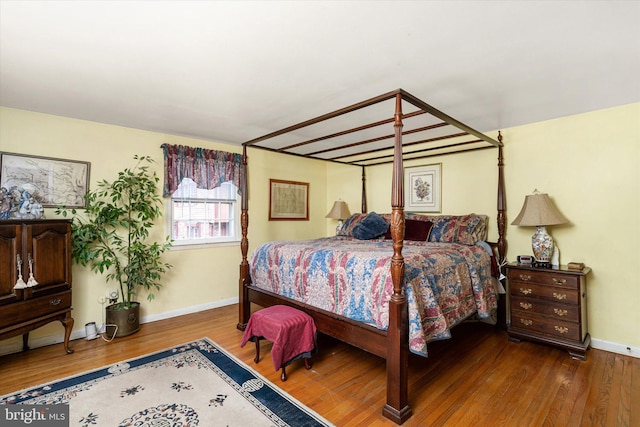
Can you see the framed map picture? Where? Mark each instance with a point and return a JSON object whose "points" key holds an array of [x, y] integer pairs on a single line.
{"points": [[288, 200], [423, 188], [54, 182]]}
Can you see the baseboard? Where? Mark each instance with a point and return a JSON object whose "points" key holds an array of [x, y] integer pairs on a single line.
{"points": [[188, 310], [80, 333], [615, 347]]}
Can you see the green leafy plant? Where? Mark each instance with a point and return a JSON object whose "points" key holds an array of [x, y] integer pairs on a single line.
{"points": [[112, 233]]}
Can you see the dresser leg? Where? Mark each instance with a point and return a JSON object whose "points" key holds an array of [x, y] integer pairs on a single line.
{"points": [[68, 326], [25, 341], [582, 355]]}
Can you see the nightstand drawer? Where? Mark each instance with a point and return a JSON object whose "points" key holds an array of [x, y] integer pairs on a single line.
{"points": [[34, 308], [557, 294], [552, 327], [544, 278], [565, 312]]}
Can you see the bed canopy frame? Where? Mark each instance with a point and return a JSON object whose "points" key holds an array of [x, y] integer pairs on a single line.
{"points": [[419, 131]]}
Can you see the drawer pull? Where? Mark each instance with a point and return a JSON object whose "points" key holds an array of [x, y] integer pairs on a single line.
{"points": [[526, 291], [560, 312], [525, 277], [559, 296], [55, 301], [561, 329], [526, 305], [527, 322], [559, 281]]}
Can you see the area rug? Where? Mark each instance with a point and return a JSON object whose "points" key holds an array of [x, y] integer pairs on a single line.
{"points": [[195, 384]]}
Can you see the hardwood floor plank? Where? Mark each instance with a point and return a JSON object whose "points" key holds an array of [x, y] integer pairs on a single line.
{"points": [[634, 392], [614, 417], [598, 397], [512, 383], [540, 390], [477, 378]]}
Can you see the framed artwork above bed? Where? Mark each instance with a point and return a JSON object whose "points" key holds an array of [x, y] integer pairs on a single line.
{"points": [[423, 188], [288, 200]]}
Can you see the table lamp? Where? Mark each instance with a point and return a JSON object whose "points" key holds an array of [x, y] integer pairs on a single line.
{"points": [[539, 211], [339, 211]]}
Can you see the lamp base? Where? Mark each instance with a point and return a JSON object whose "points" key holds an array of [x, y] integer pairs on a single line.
{"points": [[542, 245]]}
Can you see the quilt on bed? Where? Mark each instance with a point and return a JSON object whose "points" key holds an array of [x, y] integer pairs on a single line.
{"points": [[444, 282]]}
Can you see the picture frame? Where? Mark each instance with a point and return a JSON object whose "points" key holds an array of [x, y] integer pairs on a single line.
{"points": [[54, 182], [423, 188], [288, 200]]}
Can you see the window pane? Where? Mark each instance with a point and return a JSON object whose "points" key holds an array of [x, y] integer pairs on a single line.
{"points": [[203, 215]]}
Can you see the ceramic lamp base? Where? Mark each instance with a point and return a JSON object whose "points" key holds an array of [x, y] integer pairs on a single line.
{"points": [[542, 245]]}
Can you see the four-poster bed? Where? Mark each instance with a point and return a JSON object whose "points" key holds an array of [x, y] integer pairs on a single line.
{"points": [[420, 131]]}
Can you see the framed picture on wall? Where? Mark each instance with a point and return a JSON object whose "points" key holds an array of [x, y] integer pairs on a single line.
{"points": [[423, 188], [53, 182], [288, 200]]}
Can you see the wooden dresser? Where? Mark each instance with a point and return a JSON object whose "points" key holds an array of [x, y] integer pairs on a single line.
{"points": [[47, 243], [549, 305]]}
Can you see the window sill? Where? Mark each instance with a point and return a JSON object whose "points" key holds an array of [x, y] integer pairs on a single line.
{"points": [[209, 245]]}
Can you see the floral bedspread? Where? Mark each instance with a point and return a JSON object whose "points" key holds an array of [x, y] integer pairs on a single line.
{"points": [[444, 282]]}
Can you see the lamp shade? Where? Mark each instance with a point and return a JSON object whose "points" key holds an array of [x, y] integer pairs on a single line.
{"points": [[539, 210], [340, 210]]}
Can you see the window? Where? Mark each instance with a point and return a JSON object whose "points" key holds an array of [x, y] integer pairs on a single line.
{"points": [[200, 216]]}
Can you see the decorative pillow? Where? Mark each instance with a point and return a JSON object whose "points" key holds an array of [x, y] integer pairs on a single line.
{"points": [[480, 232], [466, 229], [372, 226], [417, 230], [455, 229], [414, 229], [350, 223]]}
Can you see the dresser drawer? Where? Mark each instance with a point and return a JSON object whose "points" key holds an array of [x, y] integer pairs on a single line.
{"points": [[565, 312], [549, 305], [551, 327], [551, 293], [544, 278], [37, 307]]}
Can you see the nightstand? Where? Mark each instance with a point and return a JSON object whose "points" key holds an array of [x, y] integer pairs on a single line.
{"points": [[549, 305]]}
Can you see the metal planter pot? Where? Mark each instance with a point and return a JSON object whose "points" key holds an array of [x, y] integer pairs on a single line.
{"points": [[127, 320]]}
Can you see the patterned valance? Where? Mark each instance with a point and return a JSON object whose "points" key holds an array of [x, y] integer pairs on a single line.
{"points": [[207, 168]]}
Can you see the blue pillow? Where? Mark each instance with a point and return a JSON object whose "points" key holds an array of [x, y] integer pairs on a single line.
{"points": [[370, 227]]}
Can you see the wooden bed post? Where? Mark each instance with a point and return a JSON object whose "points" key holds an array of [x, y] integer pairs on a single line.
{"points": [[244, 309], [397, 407], [364, 191], [502, 206]]}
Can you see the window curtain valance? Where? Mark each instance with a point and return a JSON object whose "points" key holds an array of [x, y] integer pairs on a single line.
{"points": [[207, 168]]}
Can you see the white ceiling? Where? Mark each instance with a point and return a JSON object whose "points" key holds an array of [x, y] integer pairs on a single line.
{"points": [[233, 71]]}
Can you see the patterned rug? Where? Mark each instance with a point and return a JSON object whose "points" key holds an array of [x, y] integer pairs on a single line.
{"points": [[195, 384]]}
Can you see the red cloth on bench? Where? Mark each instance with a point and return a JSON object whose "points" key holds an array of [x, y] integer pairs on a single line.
{"points": [[291, 331]]}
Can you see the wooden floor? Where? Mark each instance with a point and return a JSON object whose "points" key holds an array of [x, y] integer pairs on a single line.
{"points": [[478, 378]]}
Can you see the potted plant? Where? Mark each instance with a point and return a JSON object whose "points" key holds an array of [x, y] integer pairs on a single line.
{"points": [[112, 236]]}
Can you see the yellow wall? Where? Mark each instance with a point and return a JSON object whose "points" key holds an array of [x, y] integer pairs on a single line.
{"points": [[264, 165], [587, 163]]}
